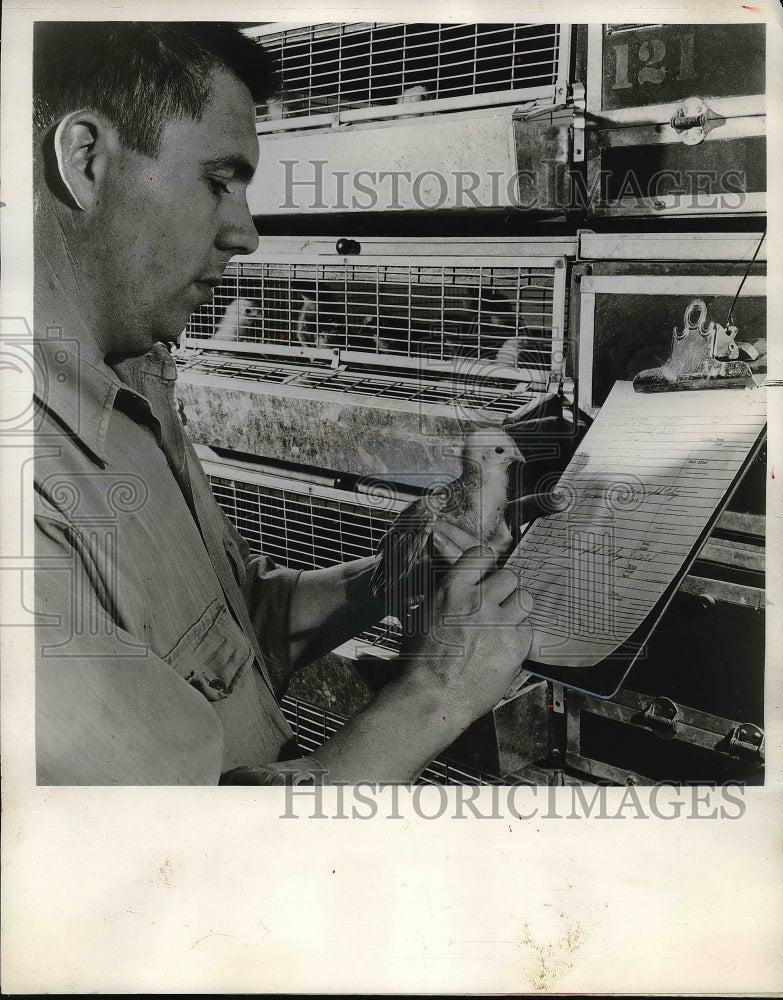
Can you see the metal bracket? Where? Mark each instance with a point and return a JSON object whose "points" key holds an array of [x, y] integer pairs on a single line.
{"points": [[579, 122], [747, 741], [578, 139], [661, 717], [693, 120]]}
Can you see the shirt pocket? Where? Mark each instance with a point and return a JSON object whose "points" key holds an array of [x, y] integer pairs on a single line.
{"points": [[213, 653]]}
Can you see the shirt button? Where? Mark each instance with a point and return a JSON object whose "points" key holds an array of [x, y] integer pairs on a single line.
{"points": [[217, 684]]}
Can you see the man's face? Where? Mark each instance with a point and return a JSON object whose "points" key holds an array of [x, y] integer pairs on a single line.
{"points": [[166, 227]]}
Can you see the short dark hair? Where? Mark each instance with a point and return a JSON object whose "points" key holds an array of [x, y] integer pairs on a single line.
{"points": [[140, 74]]}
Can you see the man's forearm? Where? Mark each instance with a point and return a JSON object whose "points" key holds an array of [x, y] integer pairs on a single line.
{"points": [[455, 669], [330, 606], [408, 723]]}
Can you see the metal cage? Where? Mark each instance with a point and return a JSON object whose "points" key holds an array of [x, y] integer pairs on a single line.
{"points": [[366, 362], [402, 308], [359, 71], [303, 521]]}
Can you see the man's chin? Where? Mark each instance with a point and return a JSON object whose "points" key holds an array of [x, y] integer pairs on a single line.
{"points": [[131, 340], [134, 347]]}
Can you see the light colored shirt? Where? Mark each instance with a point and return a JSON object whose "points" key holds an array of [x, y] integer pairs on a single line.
{"points": [[161, 642]]}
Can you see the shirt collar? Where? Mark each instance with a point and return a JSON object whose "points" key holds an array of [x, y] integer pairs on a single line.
{"points": [[74, 381]]}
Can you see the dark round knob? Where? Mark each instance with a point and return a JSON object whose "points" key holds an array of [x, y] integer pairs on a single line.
{"points": [[345, 246]]}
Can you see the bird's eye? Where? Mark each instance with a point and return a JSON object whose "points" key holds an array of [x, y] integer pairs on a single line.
{"points": [[499, 450]]}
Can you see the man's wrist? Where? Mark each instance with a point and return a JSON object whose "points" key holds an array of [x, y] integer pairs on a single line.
{"points": [[428, 681]]}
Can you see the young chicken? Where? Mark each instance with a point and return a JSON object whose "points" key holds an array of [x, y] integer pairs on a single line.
{"points": [[475, 502], [238, 320]]}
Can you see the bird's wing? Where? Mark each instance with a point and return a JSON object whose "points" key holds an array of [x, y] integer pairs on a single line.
{"points": [[404, 544]]}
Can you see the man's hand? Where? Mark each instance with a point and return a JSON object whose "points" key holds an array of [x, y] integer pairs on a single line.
{"points": [[457, 668], [474, 638]]}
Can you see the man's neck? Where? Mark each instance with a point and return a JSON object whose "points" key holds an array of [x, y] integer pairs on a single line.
{"points": [[60, 300]]}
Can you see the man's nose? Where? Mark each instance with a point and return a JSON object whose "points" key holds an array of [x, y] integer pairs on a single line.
{"points": [[238, 232]]}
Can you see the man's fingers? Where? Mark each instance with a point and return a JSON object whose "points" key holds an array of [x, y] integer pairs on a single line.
{"points": [[475, 563], [501, 585], [455, 540], [445, 548], [519, 598]]}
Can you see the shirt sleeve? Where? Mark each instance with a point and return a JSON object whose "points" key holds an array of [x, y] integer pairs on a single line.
{"points": [[268, 590], [108, 710]]}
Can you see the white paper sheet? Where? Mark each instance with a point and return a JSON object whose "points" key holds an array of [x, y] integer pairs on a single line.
{"points": [[637, 494]]}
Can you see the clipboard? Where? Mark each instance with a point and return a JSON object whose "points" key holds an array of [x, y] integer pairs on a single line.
{"points": [[606, 678]]}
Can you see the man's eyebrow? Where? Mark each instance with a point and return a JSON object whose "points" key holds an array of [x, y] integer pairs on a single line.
{"points": [[241, 168]]}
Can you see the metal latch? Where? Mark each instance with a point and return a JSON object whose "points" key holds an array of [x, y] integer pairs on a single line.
{"points": [[747, 740], [693, 120], [661, 716]]}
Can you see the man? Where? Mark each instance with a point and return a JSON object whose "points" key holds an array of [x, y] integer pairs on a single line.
{"points": [[162, 643]]}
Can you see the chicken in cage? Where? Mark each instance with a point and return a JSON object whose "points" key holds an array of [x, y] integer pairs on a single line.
{"points": [[240, 318]]}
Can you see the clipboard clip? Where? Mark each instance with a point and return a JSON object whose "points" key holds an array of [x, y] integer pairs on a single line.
{"points": [[704, 355]]}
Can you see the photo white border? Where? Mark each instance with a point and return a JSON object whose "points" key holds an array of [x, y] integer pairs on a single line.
{"points": [[175, 890]]}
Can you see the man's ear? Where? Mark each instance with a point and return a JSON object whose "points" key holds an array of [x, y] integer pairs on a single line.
{"points": [[83, 143]]}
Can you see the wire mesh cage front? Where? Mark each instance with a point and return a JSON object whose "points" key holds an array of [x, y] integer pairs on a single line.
{"points": [[436, 312], [300, 528], [330, 68]]}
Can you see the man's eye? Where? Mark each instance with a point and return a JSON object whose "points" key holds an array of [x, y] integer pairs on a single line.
{"points": [[218, 186]]}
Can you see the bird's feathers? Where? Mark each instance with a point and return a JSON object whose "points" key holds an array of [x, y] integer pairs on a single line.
{"points": [[406, 543], [474, 502]]}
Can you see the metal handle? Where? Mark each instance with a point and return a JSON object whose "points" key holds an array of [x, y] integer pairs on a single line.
{"points": [[681, 122], [693, 119]]}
